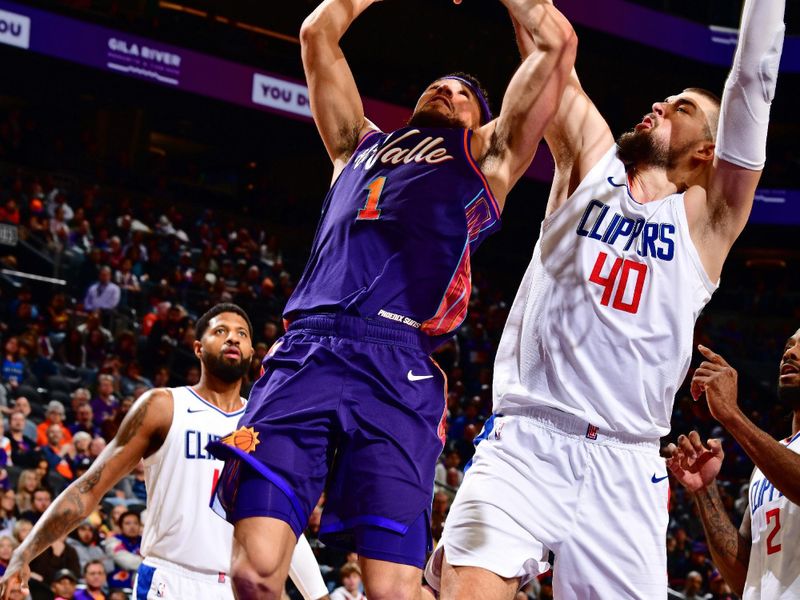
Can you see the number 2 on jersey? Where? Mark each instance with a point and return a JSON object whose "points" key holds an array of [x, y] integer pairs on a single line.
{"points": [[370, 211], [618, 276], [772, 547]]}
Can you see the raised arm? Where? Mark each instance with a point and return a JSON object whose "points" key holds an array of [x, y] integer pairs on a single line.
{"points": [[577, 136], [740, 153], [718, 380], [508, 143], [696, 466], [335, 101], [141, 433]]}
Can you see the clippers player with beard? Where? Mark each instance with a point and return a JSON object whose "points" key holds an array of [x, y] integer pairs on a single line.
{"points": [[760, 560], [600, 334], [350, 394], [186, 547]]}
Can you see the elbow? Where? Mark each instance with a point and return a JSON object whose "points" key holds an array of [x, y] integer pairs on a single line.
{"points": [[309, 30]]}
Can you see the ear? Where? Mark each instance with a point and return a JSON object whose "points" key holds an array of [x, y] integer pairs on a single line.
{"points": [[705, 151], [198, 349]]}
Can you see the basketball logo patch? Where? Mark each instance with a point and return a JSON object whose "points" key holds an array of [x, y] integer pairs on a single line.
{"points": [[244, 438]]}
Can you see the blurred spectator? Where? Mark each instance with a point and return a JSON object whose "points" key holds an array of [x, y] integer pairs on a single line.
{"points": [[27, 483], [64, 584], [8, 511], [21, 404], [351, 588], [21, 530], [57, 556], [13, 369], [95, 577], [7, 546], [105, 403], [41, 500], [124, 547], [84, 421], [57, 453], [86, 543], [23, 448], [54, 415], [131, 378], [103, 295]]}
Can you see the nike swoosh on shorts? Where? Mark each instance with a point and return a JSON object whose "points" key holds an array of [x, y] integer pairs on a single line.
{"points": [[412, 377]]}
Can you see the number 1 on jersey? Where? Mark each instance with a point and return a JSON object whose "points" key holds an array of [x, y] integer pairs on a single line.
{"points": [[371, 212]]}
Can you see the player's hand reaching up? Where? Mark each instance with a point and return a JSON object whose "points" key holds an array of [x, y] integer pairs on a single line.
{"points": [[695, 465], [14, 583], [718, 380]]}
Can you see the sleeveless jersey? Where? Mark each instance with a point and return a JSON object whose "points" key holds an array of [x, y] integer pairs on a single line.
{"points": [[397, 231], [180, 526], [774, 569], [603, 321]]}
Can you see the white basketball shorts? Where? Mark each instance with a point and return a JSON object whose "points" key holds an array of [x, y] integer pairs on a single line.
{"points": [[159, 579], [543, 481]]}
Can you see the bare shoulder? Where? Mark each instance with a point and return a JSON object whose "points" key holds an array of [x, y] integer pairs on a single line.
{"points": [[150, 415]]}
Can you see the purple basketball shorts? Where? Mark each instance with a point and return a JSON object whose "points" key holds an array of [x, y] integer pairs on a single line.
{"points": [[349, 406]]}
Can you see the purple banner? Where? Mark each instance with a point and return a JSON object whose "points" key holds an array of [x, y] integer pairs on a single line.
{"points": [[705, 43], [110, 50]]}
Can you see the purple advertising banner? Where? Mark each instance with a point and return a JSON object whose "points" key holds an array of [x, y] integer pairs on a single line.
{"points": [[134, 56]]}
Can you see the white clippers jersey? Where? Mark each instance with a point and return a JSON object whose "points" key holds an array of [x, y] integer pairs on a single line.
{"points": [[180, 526], [774, 569], [602, 324]]}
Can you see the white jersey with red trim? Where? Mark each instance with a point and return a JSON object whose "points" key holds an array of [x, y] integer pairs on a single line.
{"points": [[603, 321], [180, 526], [774, 569]]}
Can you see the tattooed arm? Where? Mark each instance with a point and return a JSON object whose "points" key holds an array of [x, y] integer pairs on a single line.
{"points": [[730, 548], [696, 466], [141, 433]]}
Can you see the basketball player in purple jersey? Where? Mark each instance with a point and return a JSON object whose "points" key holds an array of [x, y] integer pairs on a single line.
{"points": [[600, 336], [350, 394]]}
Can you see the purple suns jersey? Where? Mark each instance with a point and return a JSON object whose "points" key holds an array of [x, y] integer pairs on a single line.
{"points": [[397, 231]]}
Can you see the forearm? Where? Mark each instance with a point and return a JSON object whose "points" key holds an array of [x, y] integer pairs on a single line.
{"points": [[546, 28], [729, 550], [750, 87], [779, 465], [332, 19], [65, 513]]}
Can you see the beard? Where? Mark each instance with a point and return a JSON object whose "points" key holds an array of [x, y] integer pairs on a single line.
{"points": [[225, 370], [430, 117], [789, 395], [640, 148]]}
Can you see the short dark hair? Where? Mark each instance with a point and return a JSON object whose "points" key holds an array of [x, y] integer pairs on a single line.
{"points": [[225, 307], [42, 489], [713, 120], [95, 561], [128, 513]]}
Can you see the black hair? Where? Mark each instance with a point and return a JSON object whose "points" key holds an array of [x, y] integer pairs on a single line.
{"points": [[225, 307], [128, 513]]}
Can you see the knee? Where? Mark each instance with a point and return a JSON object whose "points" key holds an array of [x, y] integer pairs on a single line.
{"points": [[261, 577]]}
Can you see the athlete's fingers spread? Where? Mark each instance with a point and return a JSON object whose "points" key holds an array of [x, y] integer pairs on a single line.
{"points": [[715, 445], [669, 451], [686, 447], [697, 443]]}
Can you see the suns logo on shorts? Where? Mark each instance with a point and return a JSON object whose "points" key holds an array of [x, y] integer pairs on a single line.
{"points": [[244, 438]]}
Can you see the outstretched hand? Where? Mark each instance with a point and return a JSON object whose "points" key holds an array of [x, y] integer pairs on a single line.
{"points": [[15, 579], [695, 465], [718, 380]]}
